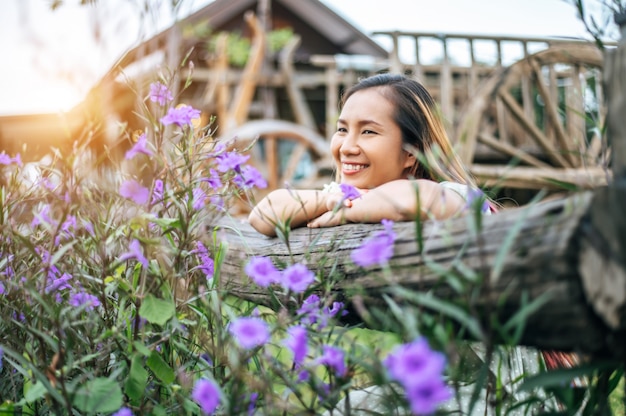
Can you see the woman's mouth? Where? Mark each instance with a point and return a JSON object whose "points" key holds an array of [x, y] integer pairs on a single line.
{"points": [[352, 167]]}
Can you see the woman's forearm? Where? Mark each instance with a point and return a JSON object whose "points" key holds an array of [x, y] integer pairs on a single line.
{"points": [[401, 200], [282, 206], [405, 200]]}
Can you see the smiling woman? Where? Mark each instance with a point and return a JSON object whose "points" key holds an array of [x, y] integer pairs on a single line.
{"points": [[393, 159]]}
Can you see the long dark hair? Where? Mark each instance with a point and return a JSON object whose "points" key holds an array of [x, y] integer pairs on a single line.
{"points": [[421, 124]]}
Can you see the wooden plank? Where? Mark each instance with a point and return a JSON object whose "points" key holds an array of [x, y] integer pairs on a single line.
{"points": [[525, 177], [511, 150]]}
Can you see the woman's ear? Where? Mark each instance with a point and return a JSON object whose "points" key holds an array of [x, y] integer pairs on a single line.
{"points": [[409, 160]]}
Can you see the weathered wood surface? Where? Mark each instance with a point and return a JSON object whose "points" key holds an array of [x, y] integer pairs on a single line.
{"points": [[556, 251]]}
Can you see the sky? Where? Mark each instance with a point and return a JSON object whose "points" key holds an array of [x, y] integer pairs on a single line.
{"points": [[50, 59]]}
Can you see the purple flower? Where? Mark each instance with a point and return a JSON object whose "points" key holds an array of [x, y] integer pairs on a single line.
{"points": [[252, 405], [207, 394], [313, 312], [231, 161], [214, 180], [249, 177], [7, 160], [349, 191], [124, 411], [297, 278], [217, 201], [84, 299], [425, 396], [181, 116], [477, 197], [376, 249], [2, 288], [198, 198], [310, 309], [262, 271], [59, 283], [296, 341], [42, 217], [414, 363], [141, 146], [157, 191], [250, 332], [135, 252], [160, 94], [88, 226], [207, 265], [333, 357], [131, 189]]}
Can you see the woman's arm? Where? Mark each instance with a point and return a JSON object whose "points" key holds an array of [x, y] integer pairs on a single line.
{"points": [[398, 201], [296, 207]]}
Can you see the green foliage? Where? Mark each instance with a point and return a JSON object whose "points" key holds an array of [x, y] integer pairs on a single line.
{"points": [[238, 47]]}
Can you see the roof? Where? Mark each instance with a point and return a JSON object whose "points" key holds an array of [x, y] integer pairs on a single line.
{"points": [[332, 33]]}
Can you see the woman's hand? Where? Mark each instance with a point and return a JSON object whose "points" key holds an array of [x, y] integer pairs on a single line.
{"points": [[330, 218]]}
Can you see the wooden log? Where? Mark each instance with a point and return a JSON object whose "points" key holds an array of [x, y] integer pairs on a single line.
{"points": [[551, 253]]}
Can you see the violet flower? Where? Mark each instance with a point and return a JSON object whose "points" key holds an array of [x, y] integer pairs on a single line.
{"points": [[376, 249], [135, 252], [297, 278], [262, 271], [124, 411], [349, 191], [181, 116], [157, 191], [249, 177], [84, 299], [250, 332], [231, 161], [207, 394], [333, 357], [214, 180], [207, 265], [296, 341], [160, 94], [141, 146], [420, 371], [133, 190]]}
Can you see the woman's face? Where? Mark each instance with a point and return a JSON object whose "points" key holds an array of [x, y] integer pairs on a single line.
{"points": [[367, 145]]}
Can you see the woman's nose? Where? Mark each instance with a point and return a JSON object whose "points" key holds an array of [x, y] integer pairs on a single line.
{"points": [[350, 144]]}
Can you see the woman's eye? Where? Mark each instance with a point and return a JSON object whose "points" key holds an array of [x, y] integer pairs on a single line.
{"points": [[369, 132], [341, 130]]}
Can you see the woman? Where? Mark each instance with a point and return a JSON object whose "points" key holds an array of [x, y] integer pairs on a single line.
{"points": [[391, 146]]}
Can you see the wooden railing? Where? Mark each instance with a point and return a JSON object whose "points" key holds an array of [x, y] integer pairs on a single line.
{"points": [[452, 82]]}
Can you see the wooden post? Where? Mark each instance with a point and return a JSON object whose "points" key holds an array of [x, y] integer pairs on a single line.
{"points": [[605, 253]]}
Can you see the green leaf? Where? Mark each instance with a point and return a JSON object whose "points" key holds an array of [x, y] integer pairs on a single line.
{"points": [[137, 379], [561, 378], [160, 368], [35, 392], [100, 395], [445, 308], [157, 311], [142, 349]]}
